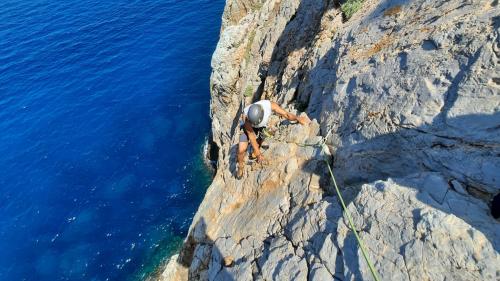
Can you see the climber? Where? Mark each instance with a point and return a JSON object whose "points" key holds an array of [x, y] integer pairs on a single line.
{"points": [[255, 118]]}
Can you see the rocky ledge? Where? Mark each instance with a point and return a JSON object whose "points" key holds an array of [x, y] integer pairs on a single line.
{"points": [[407, 94]]}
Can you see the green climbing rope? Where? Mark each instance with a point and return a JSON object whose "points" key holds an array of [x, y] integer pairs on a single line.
{"points": [[373, 271], [349, 218], [322, 144]]}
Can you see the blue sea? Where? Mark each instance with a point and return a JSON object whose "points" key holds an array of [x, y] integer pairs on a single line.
{"points": [[104, 109]]}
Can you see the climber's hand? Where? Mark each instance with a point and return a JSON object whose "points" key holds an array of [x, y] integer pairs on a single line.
{"points": [[303, 120], [260, 158]]}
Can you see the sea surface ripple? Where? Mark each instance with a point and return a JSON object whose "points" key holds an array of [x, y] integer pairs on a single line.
{"points": [[103, 112]]}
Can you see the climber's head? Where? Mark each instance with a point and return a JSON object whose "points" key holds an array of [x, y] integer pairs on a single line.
{"points": [[255, 114]]}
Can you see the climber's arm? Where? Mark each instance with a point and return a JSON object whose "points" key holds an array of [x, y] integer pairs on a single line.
{"points": [[292, 117], [253, 139]]}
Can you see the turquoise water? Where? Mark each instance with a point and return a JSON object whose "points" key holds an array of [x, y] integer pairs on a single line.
{"points": [[103, 113]]}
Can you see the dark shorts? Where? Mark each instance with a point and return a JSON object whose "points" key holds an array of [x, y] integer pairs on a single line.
{"points": [[258, 132]]}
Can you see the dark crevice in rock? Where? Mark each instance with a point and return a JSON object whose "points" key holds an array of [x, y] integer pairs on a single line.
{"points": [[257, 270], [285, 45], [211, 153], [495, 206], [401, 253], [263, 69], [441, 145], [478, 192], [295, 247], [308, 266], [459, 140]]}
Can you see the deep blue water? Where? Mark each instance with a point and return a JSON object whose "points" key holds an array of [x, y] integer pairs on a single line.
{"points": [[103, 113]]}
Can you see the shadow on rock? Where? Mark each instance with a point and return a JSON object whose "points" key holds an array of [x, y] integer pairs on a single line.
{"points": [[462, 165], [200, 259]]}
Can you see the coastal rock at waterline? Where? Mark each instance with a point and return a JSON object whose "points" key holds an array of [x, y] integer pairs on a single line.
{"points": [[407, 95]]}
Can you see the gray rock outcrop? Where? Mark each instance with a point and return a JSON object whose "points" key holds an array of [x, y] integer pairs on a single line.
{"points": [[407, 94]]}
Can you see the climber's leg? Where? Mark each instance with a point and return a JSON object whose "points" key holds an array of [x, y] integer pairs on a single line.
{"points": [[242, 149]]}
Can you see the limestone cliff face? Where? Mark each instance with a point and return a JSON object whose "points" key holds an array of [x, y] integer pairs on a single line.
{"points": [[408, 94]]}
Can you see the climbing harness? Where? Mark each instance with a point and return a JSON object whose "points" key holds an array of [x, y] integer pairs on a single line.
{"points": [[322, 144], [267, 134]]}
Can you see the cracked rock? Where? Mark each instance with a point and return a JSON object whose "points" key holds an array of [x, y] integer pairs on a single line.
{"points": [[406, 95]]}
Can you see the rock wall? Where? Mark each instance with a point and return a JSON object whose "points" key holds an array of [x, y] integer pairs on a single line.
{"points": [[407, 94]]}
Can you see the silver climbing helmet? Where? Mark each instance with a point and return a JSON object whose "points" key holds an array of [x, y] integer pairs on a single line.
{"points": [[255, 114]]}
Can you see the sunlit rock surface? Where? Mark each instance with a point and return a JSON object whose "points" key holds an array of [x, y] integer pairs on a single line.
{"points": [[407, 94]]}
